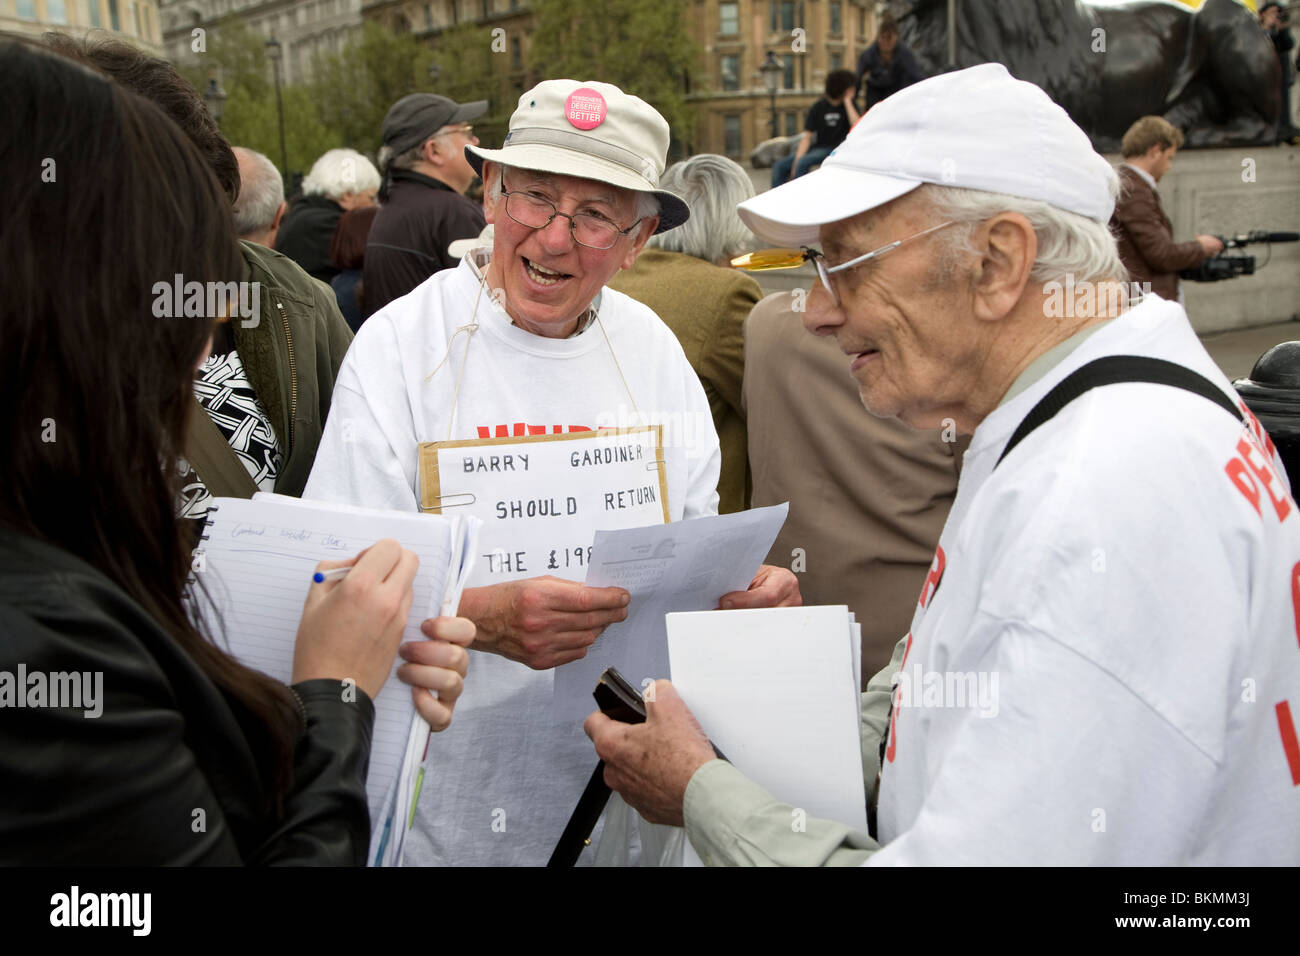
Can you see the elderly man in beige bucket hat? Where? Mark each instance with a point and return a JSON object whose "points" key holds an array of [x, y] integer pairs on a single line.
{"points": [[520, 341]]}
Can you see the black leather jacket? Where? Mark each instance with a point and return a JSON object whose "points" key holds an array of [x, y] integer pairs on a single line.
{"points": [[164, 774]]}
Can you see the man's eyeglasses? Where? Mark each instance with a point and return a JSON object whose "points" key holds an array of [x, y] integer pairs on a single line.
{"points": [[466, 128], [767, 259], [587, 228]]}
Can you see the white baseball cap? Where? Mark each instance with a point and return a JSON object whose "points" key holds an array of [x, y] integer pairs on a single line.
{"points": [[591, 130], [459, 248], [978, 128]]}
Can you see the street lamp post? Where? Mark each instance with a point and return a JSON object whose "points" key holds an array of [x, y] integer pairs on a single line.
{"points": [[772, 70], [275, 52], [215, 98], [952, 34]]}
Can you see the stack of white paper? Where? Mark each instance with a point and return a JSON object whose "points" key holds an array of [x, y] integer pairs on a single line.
{"points": [[255, 565], [777, 691]]}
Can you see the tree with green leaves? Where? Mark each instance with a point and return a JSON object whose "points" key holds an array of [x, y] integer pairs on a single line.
{"points": [[472, 65], [235, 55], [354, 88], [643, 48]]}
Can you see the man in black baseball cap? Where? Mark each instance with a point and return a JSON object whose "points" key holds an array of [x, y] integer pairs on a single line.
{"points": [[423, 210]]}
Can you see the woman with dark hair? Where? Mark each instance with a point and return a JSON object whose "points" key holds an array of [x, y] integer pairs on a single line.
{"points": [[348, 253], [180, 754]]}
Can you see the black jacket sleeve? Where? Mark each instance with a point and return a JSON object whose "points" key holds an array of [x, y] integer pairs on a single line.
{"points": [[153, 767], [327, 820]]}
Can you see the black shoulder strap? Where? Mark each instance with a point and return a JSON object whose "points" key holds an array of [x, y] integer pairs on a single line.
{"points": [[1110, 371]]}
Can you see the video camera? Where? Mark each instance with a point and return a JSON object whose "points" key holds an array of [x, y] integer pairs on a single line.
{"points": [[1229, 264]]}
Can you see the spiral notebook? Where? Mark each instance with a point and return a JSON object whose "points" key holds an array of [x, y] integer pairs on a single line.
{"points": [[255, 563]]}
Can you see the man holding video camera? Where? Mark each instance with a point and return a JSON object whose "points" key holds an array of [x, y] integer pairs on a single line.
{"points": [[1143, 231]]}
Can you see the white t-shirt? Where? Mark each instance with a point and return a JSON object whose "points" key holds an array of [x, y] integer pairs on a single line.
{"points": [[1109, 670], [503, 779]]}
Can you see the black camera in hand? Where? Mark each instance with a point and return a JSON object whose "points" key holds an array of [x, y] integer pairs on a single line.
{"points": [[1232, 262]]}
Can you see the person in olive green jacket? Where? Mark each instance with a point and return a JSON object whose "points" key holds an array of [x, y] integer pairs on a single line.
{"points": [[265, 387], [682, 276], [291, 356]]}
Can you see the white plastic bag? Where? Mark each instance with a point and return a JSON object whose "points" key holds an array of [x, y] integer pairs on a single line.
{"points": [[628, 840]]}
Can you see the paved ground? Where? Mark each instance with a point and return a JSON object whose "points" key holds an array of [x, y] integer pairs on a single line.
{"points": [[1237, 351]]}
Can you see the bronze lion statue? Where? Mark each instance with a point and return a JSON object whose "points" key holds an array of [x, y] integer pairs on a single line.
{"points": [[1212, 72]]}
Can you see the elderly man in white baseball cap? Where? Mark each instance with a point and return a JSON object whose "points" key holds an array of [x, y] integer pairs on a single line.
{"points": [[522, 342], [1103, 666]]}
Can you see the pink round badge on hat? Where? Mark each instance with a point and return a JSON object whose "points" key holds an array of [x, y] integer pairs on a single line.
{"points": [[585, 108]]}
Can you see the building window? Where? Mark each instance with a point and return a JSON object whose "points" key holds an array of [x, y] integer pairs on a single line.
{"points": [[731, 135], [516, 54], [114, 22], [837, 18], [837, 61], [791, 124], [428, 17], [862, 21], [56, 11], [782, 15], [729, 24], [27, 9], [787, 60], [731, 72], [92, 13]]}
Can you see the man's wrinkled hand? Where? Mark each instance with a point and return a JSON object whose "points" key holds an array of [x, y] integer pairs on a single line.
{"points": [[650, 764], [771, 587], [542, 622]]}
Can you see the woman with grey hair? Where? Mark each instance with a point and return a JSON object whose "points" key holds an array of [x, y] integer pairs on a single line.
{"points": [[340, 180], [682, 275]]}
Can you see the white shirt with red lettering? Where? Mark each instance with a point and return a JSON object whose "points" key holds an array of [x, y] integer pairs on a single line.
{"points": [[1106, 668], [502, 781]]}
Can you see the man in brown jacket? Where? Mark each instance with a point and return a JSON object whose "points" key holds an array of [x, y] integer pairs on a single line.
{"points": [[682, 276], [1144, 233]]}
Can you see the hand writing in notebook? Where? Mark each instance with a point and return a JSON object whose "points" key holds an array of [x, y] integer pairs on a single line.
{"points": [[351, 626]]}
